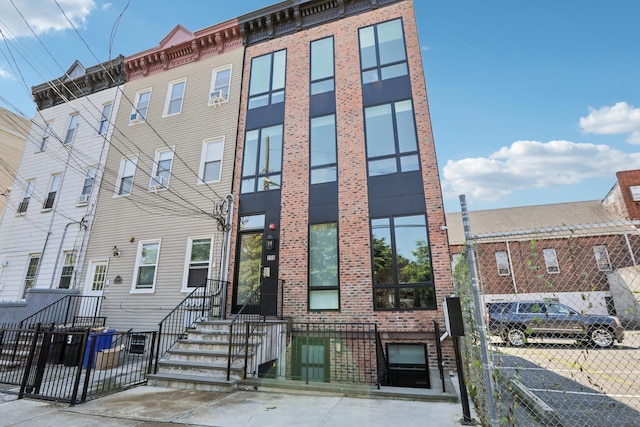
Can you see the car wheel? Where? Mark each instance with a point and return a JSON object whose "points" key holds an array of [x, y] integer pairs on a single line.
{"points": [[516, 337], [601, 337]]}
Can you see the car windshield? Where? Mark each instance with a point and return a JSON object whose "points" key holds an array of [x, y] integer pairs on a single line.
{"points": [[555, 308]]}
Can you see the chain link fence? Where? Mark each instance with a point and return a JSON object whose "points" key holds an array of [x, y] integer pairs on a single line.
{"points": [[560, 323]]}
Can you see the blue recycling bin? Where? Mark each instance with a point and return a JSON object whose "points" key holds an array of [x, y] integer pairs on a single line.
{"points": [[103, 341]]}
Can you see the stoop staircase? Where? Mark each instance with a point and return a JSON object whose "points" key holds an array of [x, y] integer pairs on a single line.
{"points": [[199, 361]]}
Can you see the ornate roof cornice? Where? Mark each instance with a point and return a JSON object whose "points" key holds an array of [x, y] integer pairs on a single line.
{"points": [[294, 15], [78, 82], [181, 46]]}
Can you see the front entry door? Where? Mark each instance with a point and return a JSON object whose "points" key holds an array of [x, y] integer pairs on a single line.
{"points": [[248, 272], [94, 287]]}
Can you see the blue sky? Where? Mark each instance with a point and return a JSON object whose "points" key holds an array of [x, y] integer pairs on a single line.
{"points": [[532, 102]]}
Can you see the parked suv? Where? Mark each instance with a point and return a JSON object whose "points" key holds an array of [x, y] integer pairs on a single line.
{"points": [[515, 321]]}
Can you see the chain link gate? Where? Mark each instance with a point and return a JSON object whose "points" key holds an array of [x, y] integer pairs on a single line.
{"points": [[560, 311]]}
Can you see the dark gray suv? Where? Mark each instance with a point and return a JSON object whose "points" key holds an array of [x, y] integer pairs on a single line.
{"points": [[515, 321]]}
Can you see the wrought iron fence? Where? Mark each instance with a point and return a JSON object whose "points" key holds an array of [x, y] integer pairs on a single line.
{"points": [[73, 365], [560, 307], [70, 309]]}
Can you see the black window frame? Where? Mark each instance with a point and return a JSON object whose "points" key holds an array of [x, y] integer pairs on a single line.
{"points": [[270, 177], [336, 287], [270, 92], [378, 66], [325, 79]]}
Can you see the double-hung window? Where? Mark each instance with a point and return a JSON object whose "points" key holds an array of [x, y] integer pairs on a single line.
{"points": [[262, 164], [392, 144], [24, 204], [46, 135], [146, 266], [322, 72], [323, 149], [53, 191], [551, 261], [141, 106], [323, 267], [502, 262], [266, 85], [71, 131], [162, 169], [125, 176], [89, 180], [220, 83], [175, 95], [104, 119], [602, 257], [402, 270], [382, 52], [30, 276], [198, 262], [211, 163], [67, 270]]}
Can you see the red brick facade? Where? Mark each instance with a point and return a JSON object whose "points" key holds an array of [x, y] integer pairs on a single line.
{"points": [[626, 180]]}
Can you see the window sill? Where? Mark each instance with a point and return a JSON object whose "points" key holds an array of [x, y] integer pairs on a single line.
{"points": [[142, 291], [46, 210]]}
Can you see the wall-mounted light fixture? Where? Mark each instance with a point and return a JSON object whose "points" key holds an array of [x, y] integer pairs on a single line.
{"points": [[270, 242], [116, 251]]}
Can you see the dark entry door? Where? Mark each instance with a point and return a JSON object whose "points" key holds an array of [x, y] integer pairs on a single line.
{"points": [[249, 267]]}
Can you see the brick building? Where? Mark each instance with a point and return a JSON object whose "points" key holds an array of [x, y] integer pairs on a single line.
{"points": [[339, 206]]}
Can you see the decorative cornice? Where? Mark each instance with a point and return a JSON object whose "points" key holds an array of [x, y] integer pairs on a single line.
{"points": [[71, 86], [181, 47], [294, 15]]}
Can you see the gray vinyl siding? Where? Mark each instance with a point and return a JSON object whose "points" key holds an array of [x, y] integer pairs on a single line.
{"points": [[124, 221]]}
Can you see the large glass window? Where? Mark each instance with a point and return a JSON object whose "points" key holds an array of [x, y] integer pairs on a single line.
{"points": [[262, 165], [24, 204], [198, 262], [391, 138], [323, 149], [161, 169], [71, 131], [382, 51], [322, 72], [141, 106], [125, 176], [53, 191], [220, 83], [323, 267], [30, 277], [402, 271], [146, 265], [67, 270], [266, 86], [175, 95], [211, 165], [104, 120]]}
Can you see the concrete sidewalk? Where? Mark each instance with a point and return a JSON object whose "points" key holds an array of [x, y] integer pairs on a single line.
{"points": [[157, 406]]}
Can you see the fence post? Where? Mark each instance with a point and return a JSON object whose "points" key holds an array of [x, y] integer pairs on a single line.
{"points": [[27, 369], [486, 361]]}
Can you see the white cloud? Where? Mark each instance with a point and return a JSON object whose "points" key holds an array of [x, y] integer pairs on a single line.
{"points": [[43, 16], [4, 74], [621, 118], [532, 164]]}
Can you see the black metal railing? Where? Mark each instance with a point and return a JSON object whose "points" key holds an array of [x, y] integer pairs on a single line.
{"points": [[205, 302], [381, 361], [64, 311]]}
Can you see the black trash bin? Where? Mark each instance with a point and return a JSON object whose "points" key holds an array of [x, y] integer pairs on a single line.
{"points": [[73, 350], [56, 347]]}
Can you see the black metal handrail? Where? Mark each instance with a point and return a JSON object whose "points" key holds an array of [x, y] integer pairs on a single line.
{"points": [[381, 361], [205, 302], [63, 311]]}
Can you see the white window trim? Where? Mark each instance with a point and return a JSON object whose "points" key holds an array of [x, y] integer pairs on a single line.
{"points": [[187, 259], [168, 98], [134, 109], [52, 180], [551, 268], [501, 273], [123, 160], [156, 159], [214, 74], [152, 289], [46, 136], [106, 120], [201, 180], [73, 130], [605, 253]]}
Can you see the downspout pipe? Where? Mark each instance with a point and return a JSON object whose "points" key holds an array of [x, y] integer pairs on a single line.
{"points": [[64, 233]]}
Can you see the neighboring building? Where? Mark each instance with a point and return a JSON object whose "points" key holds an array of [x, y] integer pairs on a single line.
{"points": [[44, 228], [624, 198], [14, 130], [583, 254], [169, 168], [336, 180]]}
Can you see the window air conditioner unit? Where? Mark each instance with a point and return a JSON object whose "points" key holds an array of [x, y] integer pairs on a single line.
{"points": [[83, 199], [135, 118], [157, 182], [216, 97]]}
